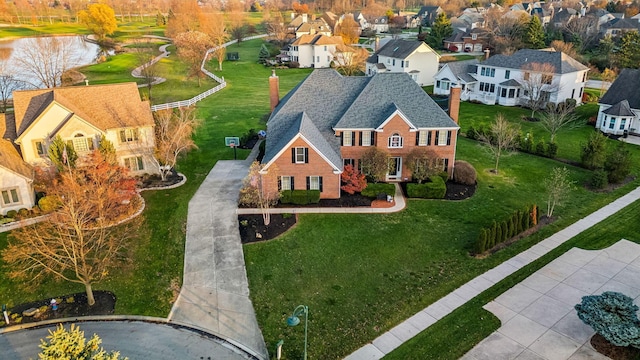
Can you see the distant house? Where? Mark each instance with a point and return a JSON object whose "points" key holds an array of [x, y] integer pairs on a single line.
{"points": [[413, 57], [428, 14], [328, 121], [81, 116], [459, 73], [618, 27], [506, 79], [317, 51], [620, 106], [379, 24], [305, 25], [468, 41]]}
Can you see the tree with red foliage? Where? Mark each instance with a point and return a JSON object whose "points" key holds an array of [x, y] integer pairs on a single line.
{"points": [[300, 8], [353, 180]]}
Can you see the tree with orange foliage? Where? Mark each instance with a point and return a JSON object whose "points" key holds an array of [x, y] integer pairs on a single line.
{"points": [[353, 181], [81, 241], [300, 8], [349, 30], [192, 48]]}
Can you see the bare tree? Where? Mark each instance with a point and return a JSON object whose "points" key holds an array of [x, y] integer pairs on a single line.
{"points": [[582, 31], [350, 60], [80, 242], [276, 29], [538, 85], [501, 138], [46, 59], [146, 64], [556, 117], [349, 30], [422, 163], [174, 136], [558, 186], [8, 84], [258, 190], [375, 164]]}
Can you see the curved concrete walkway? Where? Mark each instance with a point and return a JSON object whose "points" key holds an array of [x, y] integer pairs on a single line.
{"points": [[406, 330], [215, 289], [137, 72]]}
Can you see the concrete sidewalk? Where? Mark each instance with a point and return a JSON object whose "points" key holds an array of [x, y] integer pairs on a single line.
{"points": [[406, 330], [215, 289]]}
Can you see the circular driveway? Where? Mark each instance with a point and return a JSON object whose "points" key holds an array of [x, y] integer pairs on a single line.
{"points": [[134, 339]]}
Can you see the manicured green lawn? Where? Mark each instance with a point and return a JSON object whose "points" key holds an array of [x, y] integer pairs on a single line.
{"points": [[116, 69], [125, 29]]}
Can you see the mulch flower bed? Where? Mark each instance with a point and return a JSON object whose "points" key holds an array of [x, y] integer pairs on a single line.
{"points": [[252, 227], [455, 191], [601, 345], [346, 200], [73, 305], [155, 181]]}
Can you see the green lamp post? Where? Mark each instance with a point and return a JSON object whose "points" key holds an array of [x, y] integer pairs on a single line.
{"points": [[294, 320]]}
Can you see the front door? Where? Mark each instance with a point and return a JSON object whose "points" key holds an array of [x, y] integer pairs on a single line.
{"points": [[395, 169]]}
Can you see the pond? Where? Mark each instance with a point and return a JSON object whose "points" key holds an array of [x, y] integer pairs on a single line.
{"points": [[38, 61]]}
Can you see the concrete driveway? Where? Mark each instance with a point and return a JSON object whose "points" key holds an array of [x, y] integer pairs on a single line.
{"points": [[537, 315]]}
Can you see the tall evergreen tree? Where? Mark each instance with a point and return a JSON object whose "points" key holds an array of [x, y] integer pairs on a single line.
{"points": [[629, 54], [440, 30], [534, 36]]}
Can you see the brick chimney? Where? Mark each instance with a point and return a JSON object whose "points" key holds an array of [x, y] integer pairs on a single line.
{"points": [[274, 90], [454, 102], [305, 18]]}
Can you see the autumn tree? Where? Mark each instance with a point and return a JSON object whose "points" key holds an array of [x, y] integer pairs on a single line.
{"points": [[349, 30], [534, 35], [557, 185], [375, 164], [537, 83], [607, 76], [565, 47], [422, 163], [440, 30], [350, 60], [100, 19], [258, 190], [192, 48], [72, 345], [214, 26], [80, 241], [502, 137], [46, 59], [174, 136], [145, 60], [300, 8], [184, 15], [558, 116], [277, 29], [353, 181]]}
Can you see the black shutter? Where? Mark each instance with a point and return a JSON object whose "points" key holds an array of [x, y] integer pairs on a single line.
{"points": [[449, 137], [293, 155], [308, 183], [280, 183], [306, 155], [292, 185], [373, 138], [360, 142], [342, 138], [417, 137], [429, 138], [320, 181], [353, 138], [435, 142], [446, 164]]}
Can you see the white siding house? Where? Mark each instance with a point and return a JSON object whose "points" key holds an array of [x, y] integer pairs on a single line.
{"points": [[316, 51], [619, 112], [413, 57]]}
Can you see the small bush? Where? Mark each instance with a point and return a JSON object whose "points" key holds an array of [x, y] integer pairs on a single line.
{"points": [[294, 65], [599, 179], [618, 163], [613, 316], [540, 148], [444, 175], [464, 173], [23, 213], [372, 190], [300, 197], [313, 196], [12, 214], [472, 133], [436, 189], [49, 203], [285, 197], [552, 150]]}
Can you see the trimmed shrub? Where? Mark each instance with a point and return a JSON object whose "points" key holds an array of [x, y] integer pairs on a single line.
{"points": [[444, 175], [499, 235], [299, 197], [594, 152], [49, 203], [613, 316], [285, 197], [618, 163], [436, 189], [372, 190], [313, 196], [12, 214], [552, 150], [23, 213], [540, 148], [502, 231], [472, 133], [464, 173], [599, 179]]}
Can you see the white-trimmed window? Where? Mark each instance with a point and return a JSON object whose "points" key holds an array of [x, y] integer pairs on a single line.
{"points": [[423, 136], [443, 137], [300, 155], [507, 74], [314, 183], [612, 123], [406, 63], [623, 122], [128, 135], [286, 183], [395, 141], [81, 144], [11, 197], [347, 138], [40, 148], [366, 138], [134, 163]]}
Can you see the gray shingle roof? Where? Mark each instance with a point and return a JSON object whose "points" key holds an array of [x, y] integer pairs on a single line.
{"points": [[620, 109], [399, 48], [510, 82], [625, 87], [462, 69], [326, 100], [562, 62]]}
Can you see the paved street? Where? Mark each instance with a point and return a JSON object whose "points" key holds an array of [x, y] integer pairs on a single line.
{"points": [[136, 340], [215, 289], [537, 315]]}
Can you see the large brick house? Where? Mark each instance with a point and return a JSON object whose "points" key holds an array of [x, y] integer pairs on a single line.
{"points": [[330, 120]]}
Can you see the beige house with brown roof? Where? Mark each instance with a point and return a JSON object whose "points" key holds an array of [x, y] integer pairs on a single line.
{"points": [[316, 51], [81, 116], [16, 177]]}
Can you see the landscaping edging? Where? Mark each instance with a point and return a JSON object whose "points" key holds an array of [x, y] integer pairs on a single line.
{"points": [[168, 187], [132, 318]]}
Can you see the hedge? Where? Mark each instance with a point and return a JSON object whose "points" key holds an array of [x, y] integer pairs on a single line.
{"points": [[373, 189], [300, 197], [504, 230], [435, 189]]}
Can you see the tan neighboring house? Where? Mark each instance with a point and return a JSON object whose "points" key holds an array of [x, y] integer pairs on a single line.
{"points": [[16, 176], [81, 116], [317, 51]]}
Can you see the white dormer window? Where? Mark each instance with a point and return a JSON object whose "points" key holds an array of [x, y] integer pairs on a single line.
{"points": [[395, 141], [474, 36]]}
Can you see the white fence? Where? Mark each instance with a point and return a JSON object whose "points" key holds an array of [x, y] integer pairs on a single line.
{"points": [[220, 80]]}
